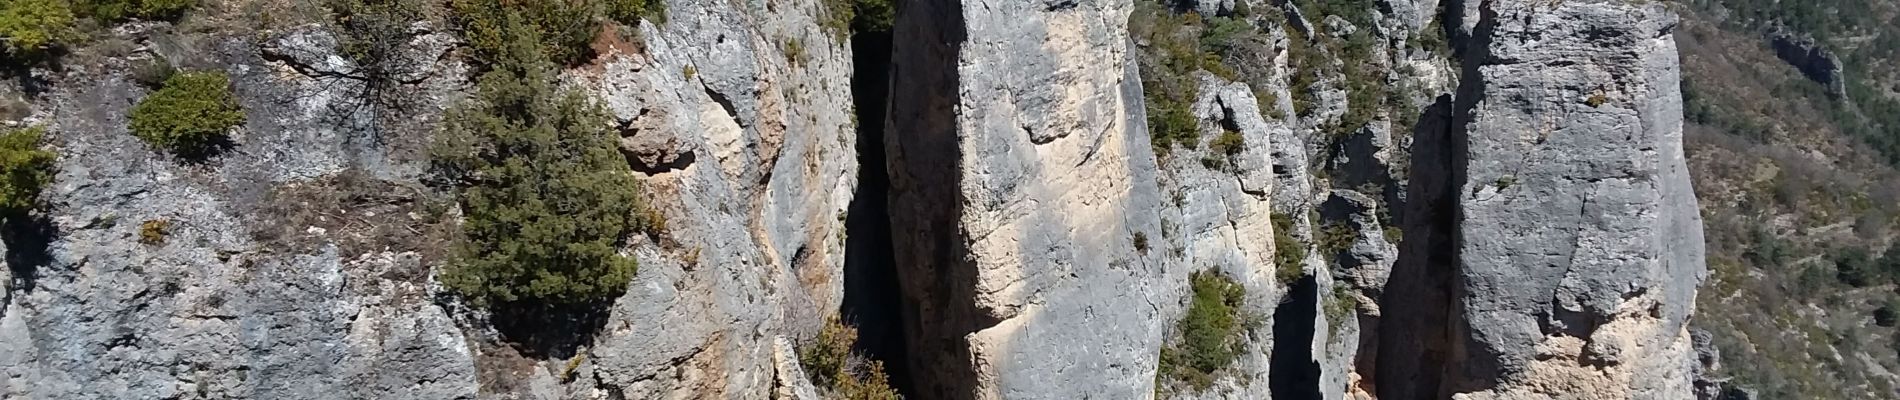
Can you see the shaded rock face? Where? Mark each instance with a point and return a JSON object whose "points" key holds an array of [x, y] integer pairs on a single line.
{"points": [[298, 263], [1813, 60], [1022, 187], [1570, 265]]}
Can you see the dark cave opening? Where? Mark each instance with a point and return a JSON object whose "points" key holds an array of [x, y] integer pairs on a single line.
{"points": [[1292, 372], [872, 298]]}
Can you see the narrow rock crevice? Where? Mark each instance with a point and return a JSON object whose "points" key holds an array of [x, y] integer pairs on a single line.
{"points": [[871, 297], [1415, 335], [1293, 372], [922, 145]]}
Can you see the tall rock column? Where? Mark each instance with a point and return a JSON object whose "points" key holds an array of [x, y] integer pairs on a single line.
{"points": [[1570, 266], [1581, 241], [1023, 201]]}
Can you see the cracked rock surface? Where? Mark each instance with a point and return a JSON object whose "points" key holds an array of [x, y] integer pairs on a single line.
{"points": [[298, 263]]}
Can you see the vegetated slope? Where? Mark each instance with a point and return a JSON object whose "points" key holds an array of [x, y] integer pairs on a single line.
{"points": [[1800, 195]]}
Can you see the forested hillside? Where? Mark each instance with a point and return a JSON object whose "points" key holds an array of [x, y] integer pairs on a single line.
{"points": [[1793, 137]]}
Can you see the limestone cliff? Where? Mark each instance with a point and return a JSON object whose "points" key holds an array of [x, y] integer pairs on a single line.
{"points": [[1557, 246], [298, 264], [1503, 216], [1023, 199]]}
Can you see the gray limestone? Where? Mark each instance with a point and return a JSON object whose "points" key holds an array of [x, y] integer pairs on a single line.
{"points": [[1581, 242], [1022, 180], [298, 263]]}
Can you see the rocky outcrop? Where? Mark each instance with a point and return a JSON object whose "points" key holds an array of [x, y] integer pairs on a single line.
{"points": [[1023, 184], [1570, 265], [298, 263], [755, 199], [1550, 246], [1219, 217], [1809, 56]]}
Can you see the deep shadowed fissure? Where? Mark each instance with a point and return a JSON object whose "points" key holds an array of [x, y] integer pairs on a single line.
{"points": [[872, 299], [1293, 373]]}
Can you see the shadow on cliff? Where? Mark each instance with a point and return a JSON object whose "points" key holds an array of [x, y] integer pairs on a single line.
{"points": [[27, 238], [872, 300], [542, 331], [1293, 373], [922, 153], [1418, 343]]}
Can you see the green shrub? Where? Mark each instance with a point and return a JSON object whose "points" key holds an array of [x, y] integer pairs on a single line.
{"points": [[565, 29], [874, 15], [189, 116], [27, 169], [629, 12], [1335, 238], [1339, 307], [1854, 267], [840, 373], [1228, 143], [29, 26], [842, 17], [1212, 332], [1289, 255], [1178, 45], [549, 198], [118, 10]]}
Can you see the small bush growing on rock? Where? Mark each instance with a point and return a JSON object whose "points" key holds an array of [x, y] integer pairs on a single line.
{"points": [[794, 51], [1228, 143], [29, 26], [548, 197], [1597, 99], [840, 373], [153, 232], [190, 115], [26, 168], [1342, 305], [1289, 255], [1212, 332], [1335, 238]]}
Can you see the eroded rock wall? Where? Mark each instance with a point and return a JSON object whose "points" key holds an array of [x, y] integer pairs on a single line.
{"points": [[298, 263], [1569, 268], [1022, 182]]}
